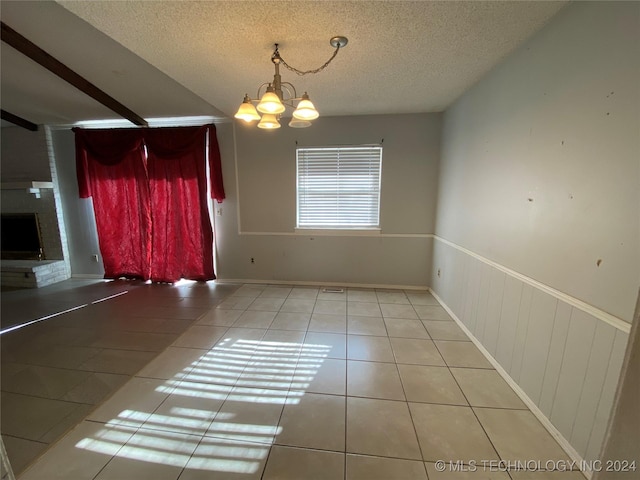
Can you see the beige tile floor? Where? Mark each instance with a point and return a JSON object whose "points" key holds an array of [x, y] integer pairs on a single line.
{"points": [[274, 382]]}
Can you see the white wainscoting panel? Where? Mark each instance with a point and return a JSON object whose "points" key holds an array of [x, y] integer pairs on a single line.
{"points": [[565, 358]]}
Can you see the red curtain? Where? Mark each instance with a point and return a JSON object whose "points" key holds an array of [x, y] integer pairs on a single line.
{"points": [[151, 206]]}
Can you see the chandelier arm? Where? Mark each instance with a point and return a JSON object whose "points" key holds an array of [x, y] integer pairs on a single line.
{"points": [[316, 70], [257, 99], [286, 86]]}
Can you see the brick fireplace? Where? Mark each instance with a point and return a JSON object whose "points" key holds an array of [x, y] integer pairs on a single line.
{"points": [[31, 206]]}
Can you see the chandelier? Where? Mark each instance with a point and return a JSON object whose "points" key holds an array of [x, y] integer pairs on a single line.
{"points": [[279, 95]]}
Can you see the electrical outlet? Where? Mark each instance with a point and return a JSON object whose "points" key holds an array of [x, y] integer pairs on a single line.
{"points": [[94, 257], [219, 211], [253, 260], [438, 273]]}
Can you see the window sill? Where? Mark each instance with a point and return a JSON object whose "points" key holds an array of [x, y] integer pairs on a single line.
{"points": [[338, 232]]}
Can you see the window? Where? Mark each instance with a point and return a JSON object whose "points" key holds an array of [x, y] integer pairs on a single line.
{"points": [[339, 187]]}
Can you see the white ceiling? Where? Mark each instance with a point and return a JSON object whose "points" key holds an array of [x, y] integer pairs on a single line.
{"points": [[190, 58]]}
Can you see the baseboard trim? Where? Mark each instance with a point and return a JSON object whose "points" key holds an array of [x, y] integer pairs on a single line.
{"points": [[326, 284], [553, 431], [95, 276]]}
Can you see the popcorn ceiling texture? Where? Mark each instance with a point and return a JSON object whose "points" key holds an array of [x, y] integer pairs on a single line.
{"points": [[402, 57]]}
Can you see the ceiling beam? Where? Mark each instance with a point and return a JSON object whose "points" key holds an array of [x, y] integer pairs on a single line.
{"points": [[35, 53], [19, 121]]}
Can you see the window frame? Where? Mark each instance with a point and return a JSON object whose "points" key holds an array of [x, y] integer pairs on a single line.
{"points": [[340, 228]]}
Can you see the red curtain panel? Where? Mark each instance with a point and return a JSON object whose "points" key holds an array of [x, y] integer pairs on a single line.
{"points": [[182, 240], [149, 189], [111, 169]]}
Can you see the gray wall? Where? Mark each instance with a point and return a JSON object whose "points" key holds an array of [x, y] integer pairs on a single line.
{"points": [[259, 216], [537, 246], [540, 160]]}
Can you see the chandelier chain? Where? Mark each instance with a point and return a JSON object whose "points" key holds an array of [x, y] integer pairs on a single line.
{"points": [[316, 70]]}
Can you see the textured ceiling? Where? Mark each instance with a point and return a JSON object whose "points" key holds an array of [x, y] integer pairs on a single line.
{"points": [[402, 56]]}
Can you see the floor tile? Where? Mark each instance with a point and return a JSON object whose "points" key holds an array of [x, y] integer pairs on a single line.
{"points": [[266, 304], [252, 319], [430, 384], [486, 388], [316, 421], [422, 298], [188, 414], [303, 293], [274, 291], [322, 375], [197, 385], [95, 388], [43, 382], [328, 307], [416, 351], [235, 303], [440, 330], [518, 435], [365, 309], [174, 363], [288, 463], [547, 475], [461, 354], [366, 326], [61, 356], [78, 414], [402, 327], [398, 311], [219, 317], [291, 321], [200, 336], [381, 427], [150, 342], [262, 395], [226, 459], [360, 467], [396, 296], [125, 362], [268, 372], [324, 345], [150, 455], [455, 471], [22, 452], [298, 305], [268, 384], [220, 365], [328, 323], [30, 417], [356, 295], [249, 291], [133, 403], [287, 339], [81, 454], [374, 380], [369, 348], [432, 312], [250, 415], [450, 433]]}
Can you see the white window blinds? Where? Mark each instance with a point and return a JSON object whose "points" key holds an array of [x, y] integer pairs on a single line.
{"points": [[339, 187]]}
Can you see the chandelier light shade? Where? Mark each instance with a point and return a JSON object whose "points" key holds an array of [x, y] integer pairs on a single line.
{"points": [[305, 109], [247, 111], [279, 95], [269, 122]]}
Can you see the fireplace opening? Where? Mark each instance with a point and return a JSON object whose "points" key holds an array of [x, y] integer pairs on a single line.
{"points": [[21, 239]]}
